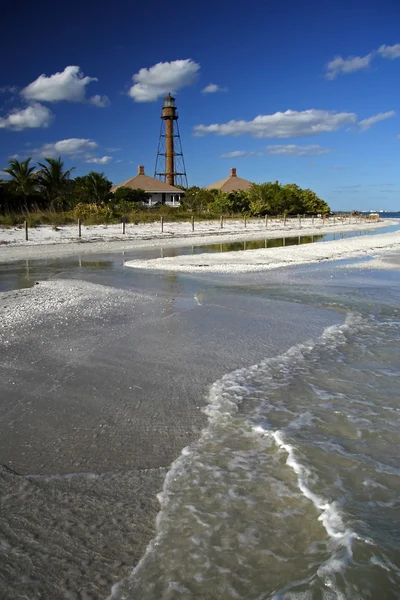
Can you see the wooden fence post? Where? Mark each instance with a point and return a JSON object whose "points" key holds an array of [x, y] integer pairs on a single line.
{"points": [[192, 223], [162, 224], [79, 228], [123, 225], [299, 216], [245, 221], [266, 221], [26, 230], [222, 222]]}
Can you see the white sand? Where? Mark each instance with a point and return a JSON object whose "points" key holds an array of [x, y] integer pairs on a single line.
{"points": [[64, 299], [46, 242], [273, 258]]}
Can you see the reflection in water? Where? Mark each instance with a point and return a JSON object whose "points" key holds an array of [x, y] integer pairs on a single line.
{"points": [[254, 244], [98, 264], [23, 274]]}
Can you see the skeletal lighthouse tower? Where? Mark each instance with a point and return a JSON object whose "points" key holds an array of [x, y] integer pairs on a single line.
{"points": [[170, 166]]}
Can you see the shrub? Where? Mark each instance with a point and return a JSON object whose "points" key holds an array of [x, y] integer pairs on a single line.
{"points": [[93, 213]]}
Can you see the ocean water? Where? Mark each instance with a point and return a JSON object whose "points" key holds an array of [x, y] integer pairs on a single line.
{"points": [[293, 489]]}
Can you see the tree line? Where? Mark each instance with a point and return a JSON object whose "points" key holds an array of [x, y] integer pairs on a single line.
{"points": [[50, 187], [260, 199]]}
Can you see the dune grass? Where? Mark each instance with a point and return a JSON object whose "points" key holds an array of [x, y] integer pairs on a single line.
{"points": [[47, 217]]}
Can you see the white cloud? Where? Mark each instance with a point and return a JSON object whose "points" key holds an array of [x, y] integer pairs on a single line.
{"points": [[367, 123], [71, 146], [70, 85], [293, 150], [212, 88], [4, 175], [33, 116], [162, 78], [8, 89], [390, 52], [113, 149], [99, 161], [240, 153], [234, 154], [282, 124], [100, 101], [341, 66]]}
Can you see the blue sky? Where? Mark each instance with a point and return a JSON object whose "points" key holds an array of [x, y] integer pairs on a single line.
{"points": [[303, 91]]}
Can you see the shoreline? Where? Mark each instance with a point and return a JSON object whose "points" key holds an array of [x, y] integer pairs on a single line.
{"points": [[274, 258], [107, 239], [110, 385]]}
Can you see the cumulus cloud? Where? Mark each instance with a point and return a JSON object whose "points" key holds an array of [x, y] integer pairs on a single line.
{"points": [[341, 66], [213, 88], [282, 124], [99, 161], [367, 123], [70, 146], [33, 116], [293, 150], [69, 84], [164, 77], [390, 52], [100, 101]]}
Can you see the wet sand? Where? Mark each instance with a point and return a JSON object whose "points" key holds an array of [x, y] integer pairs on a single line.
{"points": [[101, 389]]}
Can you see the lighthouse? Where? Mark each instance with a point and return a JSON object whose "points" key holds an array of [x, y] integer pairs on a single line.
{"points": [[170, 165]]}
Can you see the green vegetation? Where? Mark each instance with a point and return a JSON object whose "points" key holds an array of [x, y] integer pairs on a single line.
{"points": [[261, 199], [49, 195]]}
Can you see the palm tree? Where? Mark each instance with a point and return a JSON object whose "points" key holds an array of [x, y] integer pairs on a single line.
{"points": [[93, 187], [22, 179], [53, 181]]}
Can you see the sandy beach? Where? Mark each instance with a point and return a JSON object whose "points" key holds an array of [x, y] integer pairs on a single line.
{"points": [[44, 241], [103, 385], [275, 258]]}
